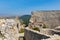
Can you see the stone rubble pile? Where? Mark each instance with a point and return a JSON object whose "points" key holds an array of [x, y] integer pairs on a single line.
{"points": [[8, 29]]}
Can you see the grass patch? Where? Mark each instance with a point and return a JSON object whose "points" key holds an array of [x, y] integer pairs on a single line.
{"points": [[20, 39]]}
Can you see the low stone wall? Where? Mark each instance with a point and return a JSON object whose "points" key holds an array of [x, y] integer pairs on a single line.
{"points": [[56, 32], [34, 35]]}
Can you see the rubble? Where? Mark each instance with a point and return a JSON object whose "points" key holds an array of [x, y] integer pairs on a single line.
{"points": [[9, 30]]}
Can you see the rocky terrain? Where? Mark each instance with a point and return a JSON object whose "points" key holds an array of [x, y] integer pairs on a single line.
{"points": [[8, 29], [45, 22]]}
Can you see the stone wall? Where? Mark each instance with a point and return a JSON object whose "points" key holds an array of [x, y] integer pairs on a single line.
{"points": [[49, 18], [34, 35]]}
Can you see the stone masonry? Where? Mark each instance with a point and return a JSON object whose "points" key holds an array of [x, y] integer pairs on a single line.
{"points": [[50, 18]]}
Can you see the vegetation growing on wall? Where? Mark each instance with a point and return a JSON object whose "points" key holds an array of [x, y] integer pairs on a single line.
{"points": [[44, 26], [21, 30], [36, 28]]}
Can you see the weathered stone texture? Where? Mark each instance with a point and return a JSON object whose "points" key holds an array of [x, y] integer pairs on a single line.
{"points": [[55, 37], [8, 29], [34, 35], [49, 18]]}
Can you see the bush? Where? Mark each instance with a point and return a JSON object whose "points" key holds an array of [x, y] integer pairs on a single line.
{"points": [[21, 31], [36, 28], [44, 26]]}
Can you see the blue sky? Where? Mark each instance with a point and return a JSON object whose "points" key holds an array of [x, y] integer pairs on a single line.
{"points": [[23, 7]]}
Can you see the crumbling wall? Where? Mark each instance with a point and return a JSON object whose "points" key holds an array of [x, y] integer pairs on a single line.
{"points": [[49, 18], [34, 35]]}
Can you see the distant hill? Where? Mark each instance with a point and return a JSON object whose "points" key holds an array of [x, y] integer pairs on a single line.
{"points": [[25, 19]]}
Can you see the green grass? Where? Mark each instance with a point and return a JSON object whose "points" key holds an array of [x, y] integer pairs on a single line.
{"points": [[20, 39]]}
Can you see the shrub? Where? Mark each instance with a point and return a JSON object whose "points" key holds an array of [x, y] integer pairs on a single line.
{"points": [[44, 26], [21, 30], [36, 28]]}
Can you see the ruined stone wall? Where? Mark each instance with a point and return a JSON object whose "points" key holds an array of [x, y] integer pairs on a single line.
{"points": [[46, 34], [49, 18], [34, 35]]}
